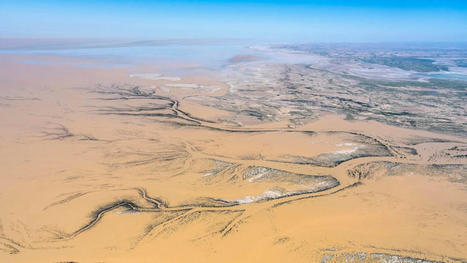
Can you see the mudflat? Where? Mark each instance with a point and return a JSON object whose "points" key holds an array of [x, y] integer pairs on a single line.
{"points": [[262, 161]]}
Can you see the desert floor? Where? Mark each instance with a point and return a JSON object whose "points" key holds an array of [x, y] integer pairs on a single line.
{"points": [[111, 165]]}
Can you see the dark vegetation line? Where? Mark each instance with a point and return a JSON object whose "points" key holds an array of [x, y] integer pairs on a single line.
{"points": [[320, 195], [160, 206]]}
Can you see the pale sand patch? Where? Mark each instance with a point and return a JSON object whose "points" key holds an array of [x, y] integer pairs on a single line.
{"points": [[184, 85], [154, 76]]}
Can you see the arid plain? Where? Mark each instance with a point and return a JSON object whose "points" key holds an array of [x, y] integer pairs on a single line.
{"points": [[265, 159]]}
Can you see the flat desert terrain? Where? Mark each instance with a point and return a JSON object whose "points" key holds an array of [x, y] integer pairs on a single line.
{"points": [[265, 158]]}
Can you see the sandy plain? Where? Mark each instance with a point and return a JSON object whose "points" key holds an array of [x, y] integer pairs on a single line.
{"points": [[98, 165]]}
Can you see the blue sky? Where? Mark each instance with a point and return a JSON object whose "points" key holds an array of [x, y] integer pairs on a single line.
{"points": [[319, 21]]}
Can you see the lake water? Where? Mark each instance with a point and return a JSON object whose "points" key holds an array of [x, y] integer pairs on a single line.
{"points": [[209, 56], [447, 75]]}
